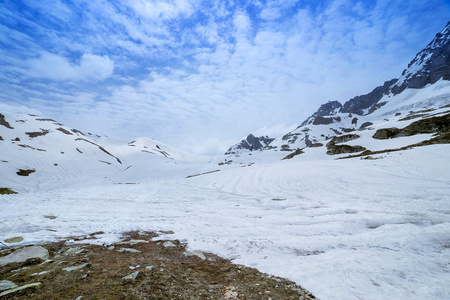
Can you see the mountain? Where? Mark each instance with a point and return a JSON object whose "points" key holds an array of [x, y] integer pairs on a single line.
{"points": [[250, 143], [39, 153], [422, 92]]}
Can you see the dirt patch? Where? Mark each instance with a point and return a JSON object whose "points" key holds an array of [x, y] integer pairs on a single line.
{"points": [[64, 131], [37, 133], [4, 122], [165, 270], [25, 172]]}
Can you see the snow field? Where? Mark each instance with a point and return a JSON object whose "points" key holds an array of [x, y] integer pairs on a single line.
{"points": [[344, 229]]}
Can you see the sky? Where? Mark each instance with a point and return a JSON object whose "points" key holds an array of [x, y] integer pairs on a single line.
{"points": [[201, 75]]}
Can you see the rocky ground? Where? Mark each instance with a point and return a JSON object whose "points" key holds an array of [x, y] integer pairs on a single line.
{"points": [[136, 268]]}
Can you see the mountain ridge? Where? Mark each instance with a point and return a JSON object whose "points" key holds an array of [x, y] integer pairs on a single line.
{"points": [[429, 66]]}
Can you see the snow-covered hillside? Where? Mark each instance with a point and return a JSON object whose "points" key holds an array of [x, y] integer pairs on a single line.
{"points": [[37, 153], [343, 229]]}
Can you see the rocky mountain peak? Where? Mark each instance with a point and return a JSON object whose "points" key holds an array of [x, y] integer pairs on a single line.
{"points": [[430, 65], [250, 143], [327, 109]]}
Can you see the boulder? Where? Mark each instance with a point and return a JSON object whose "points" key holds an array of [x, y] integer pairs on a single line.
{"points": [[23, 287], [131, 277], [21, 255], [7, 285]]}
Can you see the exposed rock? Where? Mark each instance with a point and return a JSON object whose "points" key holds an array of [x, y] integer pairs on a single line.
{"points": [[341, 149], [365, 125], [429, 65], [342, 139], [38, 133], [430, 125], [295, 153], [386, 133], [131, 277], [327, 109], [195, 253], [41, 273], [7, 285], [149, 268], [250, 143], [73, 251], [100, 147], [169, 244], [135, 242], [25, 172], [7, 191], [74, 268], [23, 254], [64, 131], [129, 250], [16, 239], [23, 287], [4, 122], [359, 104]]}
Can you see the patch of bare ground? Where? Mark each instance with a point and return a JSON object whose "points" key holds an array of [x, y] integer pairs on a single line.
{"points": [[165, 270]]}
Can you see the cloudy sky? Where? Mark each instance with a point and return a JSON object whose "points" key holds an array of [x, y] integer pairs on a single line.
{"points": [[200, 75]]}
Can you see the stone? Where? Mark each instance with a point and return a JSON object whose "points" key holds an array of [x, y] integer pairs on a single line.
{"points": [[20, 288], [169, 244], [131, 277], [149, 268], [129, 250], [7, 285], [195, 253], [41, 273], [16, 239], [74, 268], [73, 251], [23, 254], [135, 242]]}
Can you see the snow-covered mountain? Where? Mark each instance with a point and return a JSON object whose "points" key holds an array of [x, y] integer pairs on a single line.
{"points": [[422, 92], [38, 153]]}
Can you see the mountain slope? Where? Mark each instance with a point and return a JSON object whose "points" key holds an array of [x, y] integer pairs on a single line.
{"points": [[39, 153], [422, 91], [250, 143]]}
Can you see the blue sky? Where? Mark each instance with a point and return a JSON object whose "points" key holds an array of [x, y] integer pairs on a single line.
{"points": [[200, 75]]}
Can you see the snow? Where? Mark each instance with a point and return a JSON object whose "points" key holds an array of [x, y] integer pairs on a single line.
{"points": [[343, 229]]}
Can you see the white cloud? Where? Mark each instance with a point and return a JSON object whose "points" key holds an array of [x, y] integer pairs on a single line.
{"points": [[202, 74], [162, 10], [58, 68]]}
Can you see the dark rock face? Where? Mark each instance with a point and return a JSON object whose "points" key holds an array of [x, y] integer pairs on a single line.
{"points": [[429, 65], [340, 149], [386, 133], [430, 125], [342, 139], [358, 104], [295, 153], [327, 109], [4, 122], [365, 125], [250, 143]]}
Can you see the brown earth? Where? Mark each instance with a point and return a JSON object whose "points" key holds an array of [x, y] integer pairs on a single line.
{"points": [[166, 271]]}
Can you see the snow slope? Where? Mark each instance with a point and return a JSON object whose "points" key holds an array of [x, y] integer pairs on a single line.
{"points": [[60, 156], [344, 229]]}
